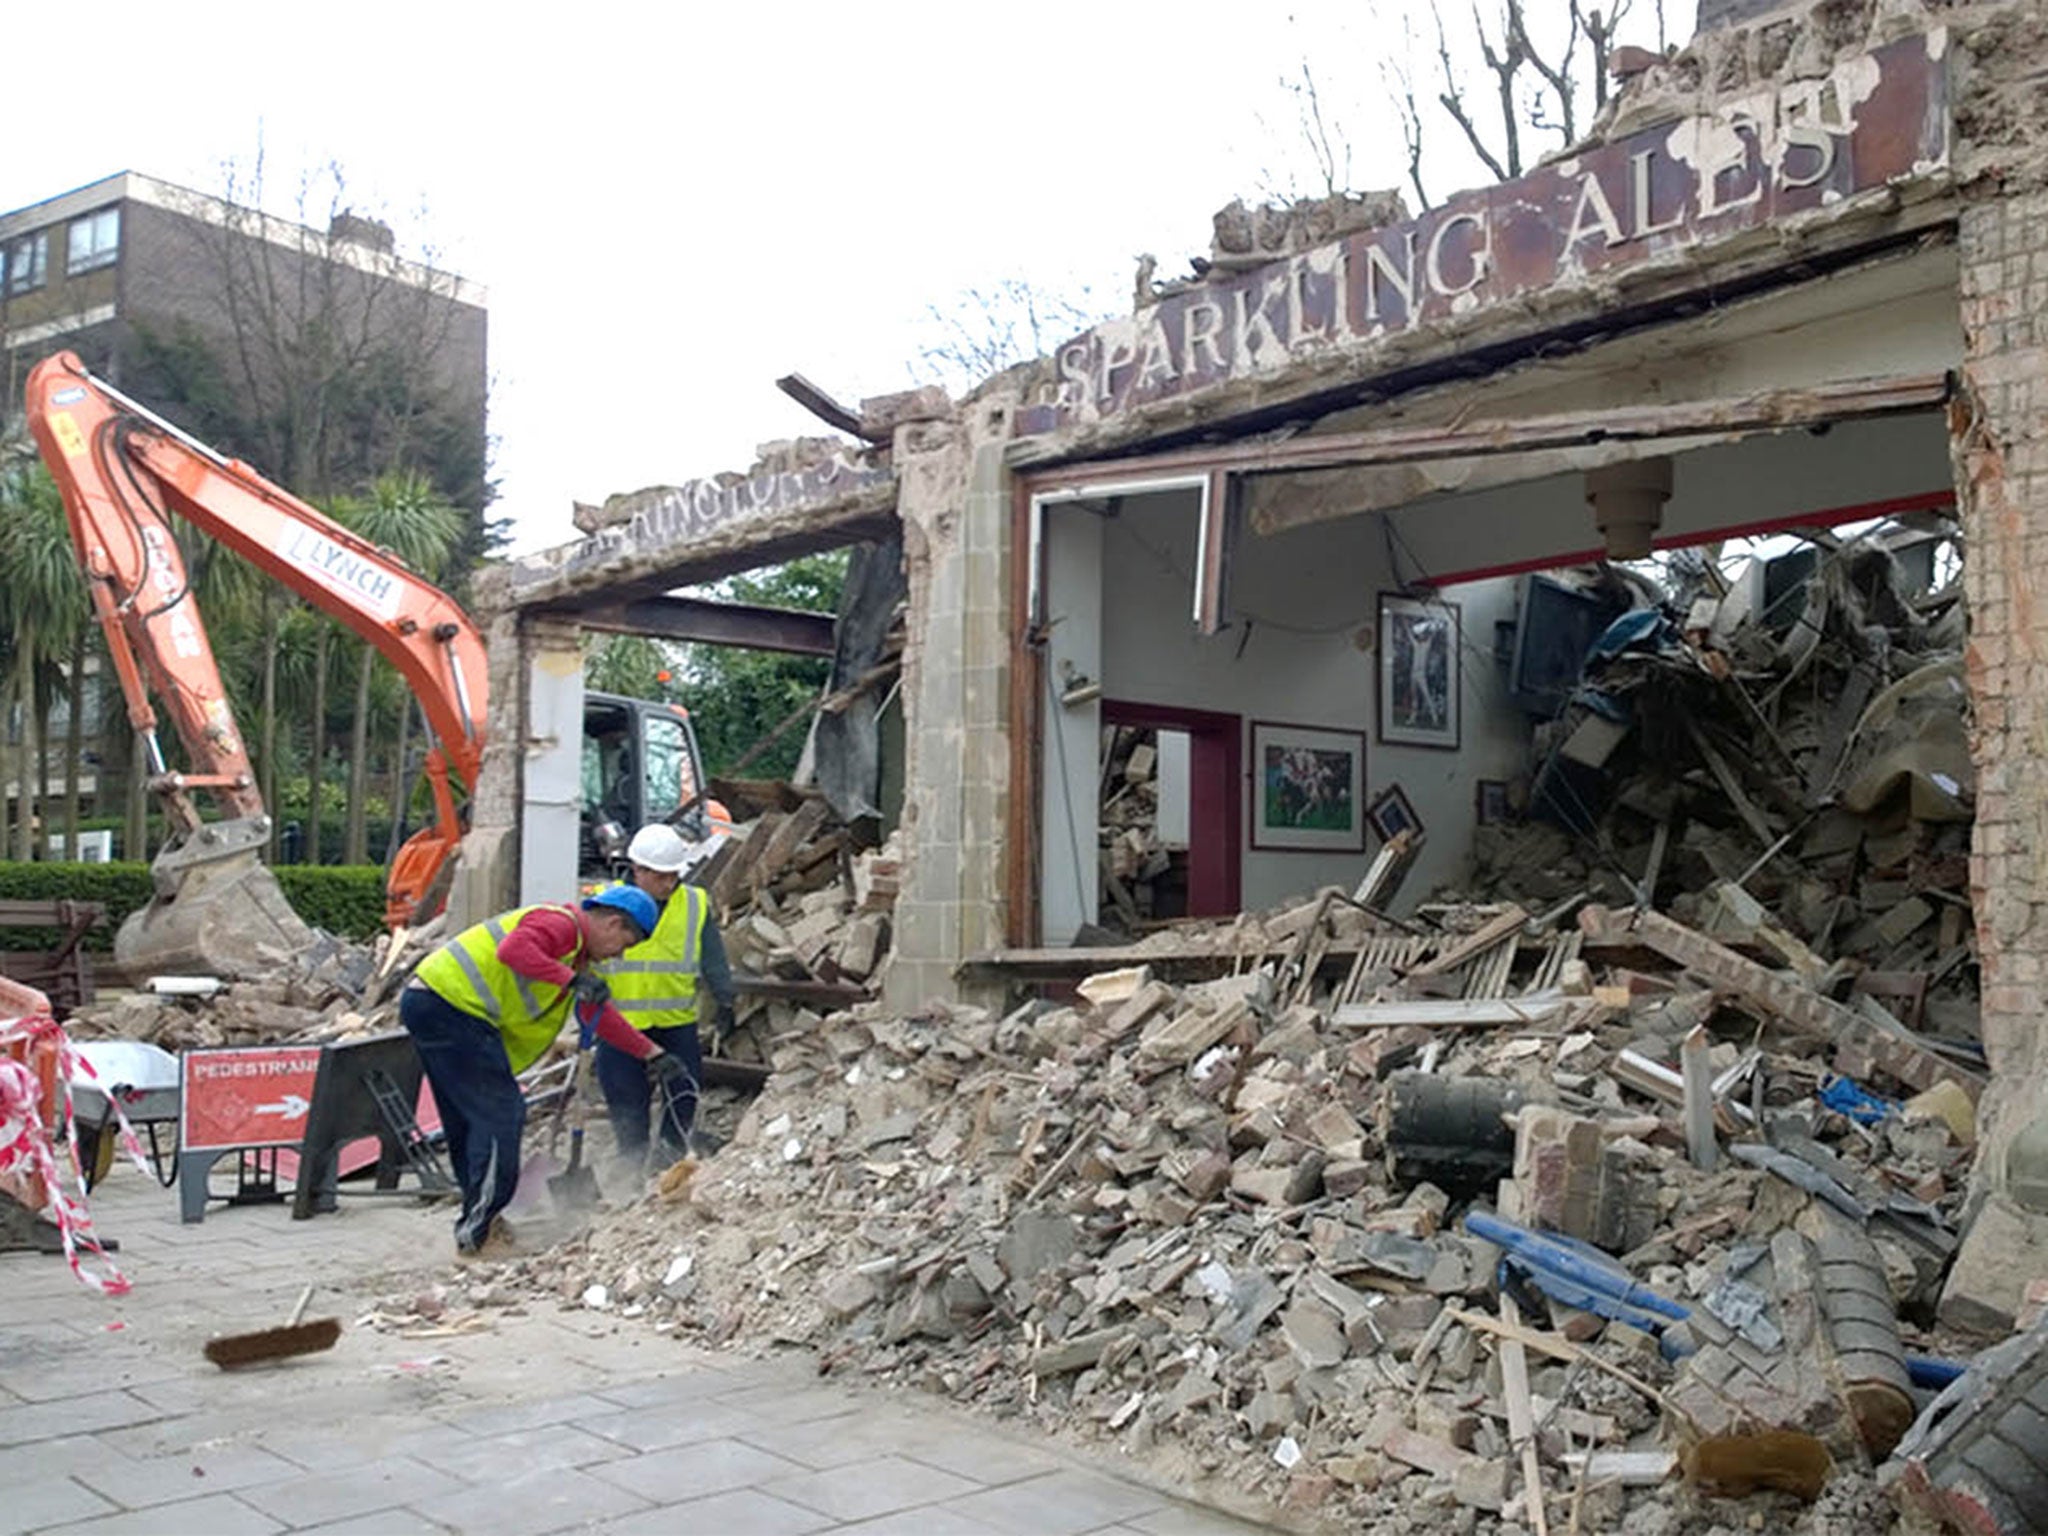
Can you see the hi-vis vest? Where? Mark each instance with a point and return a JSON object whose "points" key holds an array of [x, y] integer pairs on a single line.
{"points": [[654, 984], [467, 972]]}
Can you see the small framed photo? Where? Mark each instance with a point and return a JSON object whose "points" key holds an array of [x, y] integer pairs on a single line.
{"points": [[1418, 692], [1490, 801], [1308, 788], [1391, 815]]}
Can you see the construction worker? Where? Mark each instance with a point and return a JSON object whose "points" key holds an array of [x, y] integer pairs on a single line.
{"points": [[485, 1006], [656, 987]]}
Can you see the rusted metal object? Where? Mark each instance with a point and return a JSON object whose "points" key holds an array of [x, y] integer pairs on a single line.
{"points": [[705, 621]]}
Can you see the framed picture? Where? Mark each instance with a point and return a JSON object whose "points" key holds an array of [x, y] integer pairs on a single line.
{"points": [[1418, 705], [1308, 788], [1391, 815], [1490, 801]]}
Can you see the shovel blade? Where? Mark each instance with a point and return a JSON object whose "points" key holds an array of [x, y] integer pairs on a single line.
{"points": [[535, 1174], [574, 1190]]}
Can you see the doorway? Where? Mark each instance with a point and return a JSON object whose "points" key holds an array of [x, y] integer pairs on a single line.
{"points": [[1182, 798]]}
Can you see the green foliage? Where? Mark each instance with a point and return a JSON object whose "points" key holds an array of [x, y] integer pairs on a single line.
{"points": [[345, 899], [405, 514], [121, 888], [735, 697], [179, 367], [810, 582], [633, 665]]}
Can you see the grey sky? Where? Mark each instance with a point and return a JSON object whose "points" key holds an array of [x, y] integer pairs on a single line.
{"points": [[673, 204]]}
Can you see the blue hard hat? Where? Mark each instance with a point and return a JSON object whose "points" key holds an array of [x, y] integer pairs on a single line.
{"points": [[632, 901]]}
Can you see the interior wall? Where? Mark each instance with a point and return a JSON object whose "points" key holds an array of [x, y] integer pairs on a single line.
{"points": [[1071, 744], [1304, 614], [1174, 788], [1300, 649]]}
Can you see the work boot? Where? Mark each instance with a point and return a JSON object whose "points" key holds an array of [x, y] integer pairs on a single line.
{"points": [[703, 1144], [498, 1246]]}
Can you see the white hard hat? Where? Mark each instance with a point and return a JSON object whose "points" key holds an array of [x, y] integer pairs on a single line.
{"points": [[659, 847]]}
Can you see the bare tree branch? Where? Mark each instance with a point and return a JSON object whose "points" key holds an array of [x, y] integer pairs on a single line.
{"points": [[1397, 74], [986, 330], [1309, 103], [1505, 66], [1559, 78], [1452, 96]]}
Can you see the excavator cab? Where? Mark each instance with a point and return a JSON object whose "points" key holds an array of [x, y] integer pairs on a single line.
{"points": [[641, 764]]}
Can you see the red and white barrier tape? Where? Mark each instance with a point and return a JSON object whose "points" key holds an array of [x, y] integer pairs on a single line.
{"points": [[28, 1146]]}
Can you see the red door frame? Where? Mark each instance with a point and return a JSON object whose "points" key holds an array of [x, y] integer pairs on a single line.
{"points": [[1215, 797]]}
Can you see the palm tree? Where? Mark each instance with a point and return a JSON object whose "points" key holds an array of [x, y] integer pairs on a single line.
{"points": [[405, 515], [43, 606]]}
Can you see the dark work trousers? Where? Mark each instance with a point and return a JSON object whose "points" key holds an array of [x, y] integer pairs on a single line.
{"points": [[482, 1111], [627, 1085]]}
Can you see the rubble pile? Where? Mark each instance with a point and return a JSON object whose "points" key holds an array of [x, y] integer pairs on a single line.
{"points": [[1134, 863], [1800, 734], [799, 899], [1240, 1226], [336, 991]]}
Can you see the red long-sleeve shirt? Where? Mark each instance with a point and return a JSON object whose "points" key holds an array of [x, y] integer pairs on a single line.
{"points": [[539, 949]]}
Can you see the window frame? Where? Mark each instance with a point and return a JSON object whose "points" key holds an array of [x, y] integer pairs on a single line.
{"points": [[100, 256], [38, 270], [653, 721]]}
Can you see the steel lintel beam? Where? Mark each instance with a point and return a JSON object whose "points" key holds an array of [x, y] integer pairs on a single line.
{"points": [[703, 621], [1774, 410]]}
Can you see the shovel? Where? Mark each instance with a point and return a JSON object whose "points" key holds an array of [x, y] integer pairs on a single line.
{"points": [[575, 1187], [540, 1167]]}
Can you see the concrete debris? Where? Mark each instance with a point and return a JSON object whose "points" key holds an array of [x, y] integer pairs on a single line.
{"points": [[1785, 769], [335, 991], [804, 903], [1209, 1219], [1709, 1035], [1977, 1457]]}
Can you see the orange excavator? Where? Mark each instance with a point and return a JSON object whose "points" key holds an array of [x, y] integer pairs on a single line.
{"points": [[123, 470]]}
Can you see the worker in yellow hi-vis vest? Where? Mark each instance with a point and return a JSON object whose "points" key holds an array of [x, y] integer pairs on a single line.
{"points": [[657, 987], [486, 1005]]}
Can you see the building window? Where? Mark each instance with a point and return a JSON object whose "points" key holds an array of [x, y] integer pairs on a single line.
{"points": [[93, 241], [28, 262]]}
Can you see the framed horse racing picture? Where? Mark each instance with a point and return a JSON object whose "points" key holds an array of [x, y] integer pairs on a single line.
{"points": [[1308, 788], [1418, 693]]}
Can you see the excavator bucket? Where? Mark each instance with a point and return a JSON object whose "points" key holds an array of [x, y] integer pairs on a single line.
{"points": [[217, 910]]}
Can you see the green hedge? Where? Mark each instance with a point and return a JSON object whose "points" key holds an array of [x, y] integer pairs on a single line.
{"points": [[343, 899], [347, 899]]}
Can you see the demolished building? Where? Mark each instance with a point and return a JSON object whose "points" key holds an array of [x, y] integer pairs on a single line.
{"points": [[1282, 548]]}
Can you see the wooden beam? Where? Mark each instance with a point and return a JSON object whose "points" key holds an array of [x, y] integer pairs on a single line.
{"points": [[1478, 942], [1218, 544], [823, 406]]}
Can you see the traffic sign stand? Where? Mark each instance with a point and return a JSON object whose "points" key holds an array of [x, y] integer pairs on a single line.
{"points": [[366, 1088], [248, 1100], [264, 1103]]}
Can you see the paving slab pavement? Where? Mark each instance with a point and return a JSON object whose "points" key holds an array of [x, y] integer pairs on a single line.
{"points": [[112, 1421]]}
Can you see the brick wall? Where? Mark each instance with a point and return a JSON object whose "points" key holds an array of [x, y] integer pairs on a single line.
{"points": [[2001, 459], [2001, 450]]}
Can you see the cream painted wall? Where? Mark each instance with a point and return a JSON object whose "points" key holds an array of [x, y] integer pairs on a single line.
{"points": [[1301, 602]]}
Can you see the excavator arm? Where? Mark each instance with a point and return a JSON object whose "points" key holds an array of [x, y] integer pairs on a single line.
{"points": [[122, 471]]}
